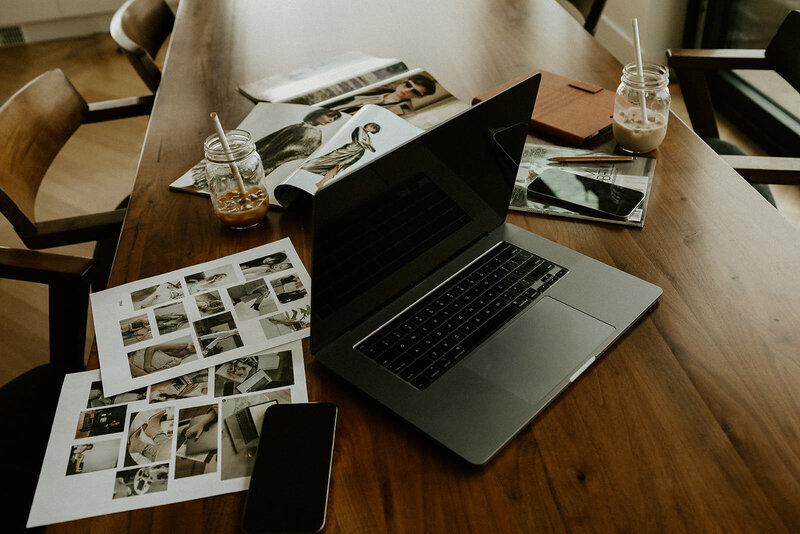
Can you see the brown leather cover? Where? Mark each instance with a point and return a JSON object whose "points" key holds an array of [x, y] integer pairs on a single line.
{"points": [[569, 110]]}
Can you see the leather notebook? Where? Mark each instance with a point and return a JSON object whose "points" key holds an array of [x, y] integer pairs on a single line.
{"points": [[569, 110]]}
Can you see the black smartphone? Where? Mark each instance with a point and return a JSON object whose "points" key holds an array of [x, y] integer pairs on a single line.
{"points": [[584, 195], [289, 486]]}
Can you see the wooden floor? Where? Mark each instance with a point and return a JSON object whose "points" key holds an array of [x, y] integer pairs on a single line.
{"points": [[96, 169]]}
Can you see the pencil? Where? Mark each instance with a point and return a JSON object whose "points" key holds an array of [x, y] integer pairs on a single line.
{"points": [[591, 158]]}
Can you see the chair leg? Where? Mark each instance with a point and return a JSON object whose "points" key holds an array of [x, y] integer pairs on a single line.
{"points": [[697, 97], [69, 305]]}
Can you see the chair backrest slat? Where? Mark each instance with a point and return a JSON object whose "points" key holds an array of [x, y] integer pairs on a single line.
{"points": [[36, 123], [591, 11], [140, 27]]}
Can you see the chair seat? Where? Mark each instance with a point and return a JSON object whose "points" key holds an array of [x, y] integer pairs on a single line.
{"points": [[29, 405], [725, 148]]}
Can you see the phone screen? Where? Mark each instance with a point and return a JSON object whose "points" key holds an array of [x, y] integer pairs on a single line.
{"points": [[584, 194], [289, 486]]}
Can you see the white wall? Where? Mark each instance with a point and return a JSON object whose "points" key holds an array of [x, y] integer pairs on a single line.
{"points": [[660, 27], [45, 20]]}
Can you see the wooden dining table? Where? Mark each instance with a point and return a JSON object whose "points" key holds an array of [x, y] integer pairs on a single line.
{"points": [[689, 423]]}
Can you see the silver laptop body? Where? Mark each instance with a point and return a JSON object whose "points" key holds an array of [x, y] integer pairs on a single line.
{"points": [[411, 222]]}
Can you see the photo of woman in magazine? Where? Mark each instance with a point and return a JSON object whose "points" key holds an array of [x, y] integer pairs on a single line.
{"points": [[330, 164], [293, 142], [396, 97], [296, 141]]}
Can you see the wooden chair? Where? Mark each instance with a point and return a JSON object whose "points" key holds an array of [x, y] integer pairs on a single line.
{"points": [[591, 11], [37, 121], [140, 27], [781, 55], [29, 401]]}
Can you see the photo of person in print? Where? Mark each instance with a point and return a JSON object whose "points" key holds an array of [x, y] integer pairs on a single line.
{"points": [[161, 356], [330, 164], [396, 99], [268, 264], [296, 141]]}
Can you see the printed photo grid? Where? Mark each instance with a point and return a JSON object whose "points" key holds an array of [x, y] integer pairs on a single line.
{"points": [[167, 326], [189, 437]]}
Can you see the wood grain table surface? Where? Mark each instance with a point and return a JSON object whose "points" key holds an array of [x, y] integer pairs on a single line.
{"points": [[690, 423]]}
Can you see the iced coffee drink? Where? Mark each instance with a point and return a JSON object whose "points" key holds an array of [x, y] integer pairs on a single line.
{"points": [[239, 211], [636, 135], [641, 108], [235, 177]]}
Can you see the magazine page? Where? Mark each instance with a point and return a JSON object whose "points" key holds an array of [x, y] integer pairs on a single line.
{"points": [[371, 132], [324, 80], [636, 174], [191, 437], [169, 325], [410, 95], [284, 135]]}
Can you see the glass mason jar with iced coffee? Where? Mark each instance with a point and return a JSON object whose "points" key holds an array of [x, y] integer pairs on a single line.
{"points": [[641, 108], [236, 180]]}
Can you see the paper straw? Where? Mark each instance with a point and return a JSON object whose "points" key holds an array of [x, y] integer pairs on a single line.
{"points": [[640, 70], [224, 141]]}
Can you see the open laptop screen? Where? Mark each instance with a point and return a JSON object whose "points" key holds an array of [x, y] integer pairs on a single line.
{"points": [[383, 228]]}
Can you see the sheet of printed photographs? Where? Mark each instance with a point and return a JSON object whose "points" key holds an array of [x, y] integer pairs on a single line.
{"points": [[153, 435], [162, 335]]}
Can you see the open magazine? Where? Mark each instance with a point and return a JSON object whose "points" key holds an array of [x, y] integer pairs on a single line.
{"points": [[349, 90], [324, 80], [349, 81], [303, 148], [636, 174]]}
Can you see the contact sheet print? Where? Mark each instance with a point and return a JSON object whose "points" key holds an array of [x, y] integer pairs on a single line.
{"points": [[187, 437], [170, 325]]}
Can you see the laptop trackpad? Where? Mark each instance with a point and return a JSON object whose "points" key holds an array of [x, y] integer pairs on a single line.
{"points": [[539, 350]]}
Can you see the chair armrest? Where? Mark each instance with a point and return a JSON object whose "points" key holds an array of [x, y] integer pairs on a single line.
{"points": [[690, 65], [78, 229], [43, 267], [723, 59], [121, 108], [766, 170]]}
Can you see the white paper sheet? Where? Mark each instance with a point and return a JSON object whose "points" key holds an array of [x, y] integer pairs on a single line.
{"points": [[169, 325], [114, 475]]}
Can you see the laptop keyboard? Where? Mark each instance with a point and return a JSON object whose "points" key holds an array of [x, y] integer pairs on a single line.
{"points": [[426, 340]]}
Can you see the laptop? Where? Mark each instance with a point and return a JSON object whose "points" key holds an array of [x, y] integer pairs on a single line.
{"points": [[423, 298]]}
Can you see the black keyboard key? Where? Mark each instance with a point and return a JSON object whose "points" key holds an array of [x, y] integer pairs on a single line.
{"points": [[521, 302], [414, 369], [530, 293], [371, 352], [433, 372], [421, 382], [400, 363], [387, 357]]}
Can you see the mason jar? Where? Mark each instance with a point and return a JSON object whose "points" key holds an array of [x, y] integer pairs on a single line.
{"points": [[641, 108], [236, 180]]}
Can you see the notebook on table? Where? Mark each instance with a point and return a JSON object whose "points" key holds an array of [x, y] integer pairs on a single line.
{"points": [[423, 298], [572, 111]]}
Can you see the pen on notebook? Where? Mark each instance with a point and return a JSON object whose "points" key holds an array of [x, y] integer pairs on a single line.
{"points": [[591, 157]]}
